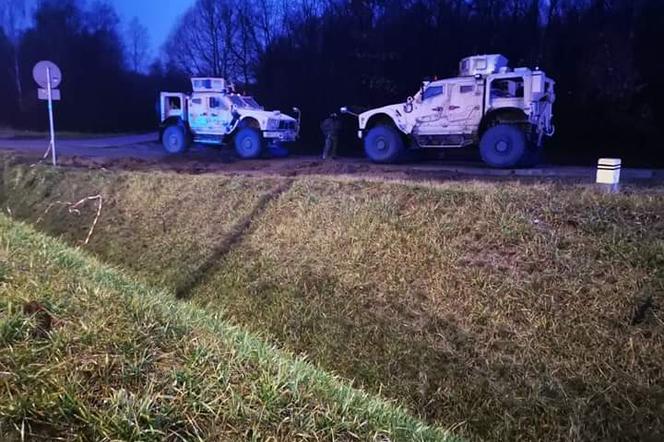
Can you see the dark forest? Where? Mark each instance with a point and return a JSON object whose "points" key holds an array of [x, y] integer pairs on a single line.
{"points": [[319, 55]]}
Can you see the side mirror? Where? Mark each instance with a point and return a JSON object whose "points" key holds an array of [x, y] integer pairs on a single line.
{"points": [[345, 110], [299, 116]]}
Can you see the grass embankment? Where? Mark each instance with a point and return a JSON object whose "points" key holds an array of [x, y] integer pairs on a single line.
{"points": [[161, 225], [509, 311], [105, 358]]}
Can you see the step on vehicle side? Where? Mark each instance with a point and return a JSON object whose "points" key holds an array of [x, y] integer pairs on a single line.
{"points": [[507, 112], [215, 114]]}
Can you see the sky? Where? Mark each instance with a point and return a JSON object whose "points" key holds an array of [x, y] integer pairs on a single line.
{"points": [[158, 16]]}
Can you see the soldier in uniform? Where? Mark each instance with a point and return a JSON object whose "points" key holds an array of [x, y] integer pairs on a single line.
{"points": [[330, 127]]}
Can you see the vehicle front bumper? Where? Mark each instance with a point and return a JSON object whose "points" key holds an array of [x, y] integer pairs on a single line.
{"points": [[280, 135]]}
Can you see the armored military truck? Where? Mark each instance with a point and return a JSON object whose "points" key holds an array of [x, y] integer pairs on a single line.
{"points": [[215, 114], [507, 112]]}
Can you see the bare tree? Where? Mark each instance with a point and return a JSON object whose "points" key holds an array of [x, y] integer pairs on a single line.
{"points": [[227, 37], [199, 43], [12, 18], [137, 45], [101, 17], [246, 44]]}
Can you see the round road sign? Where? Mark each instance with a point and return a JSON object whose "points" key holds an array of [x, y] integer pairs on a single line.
{"points": [[39, 73]]}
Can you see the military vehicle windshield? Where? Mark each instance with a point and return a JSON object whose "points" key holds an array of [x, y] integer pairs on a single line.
{"points": [[244, 102], [252, 103]]}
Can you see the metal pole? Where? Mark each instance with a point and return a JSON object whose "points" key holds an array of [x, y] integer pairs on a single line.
{"points": [[50, 114]]}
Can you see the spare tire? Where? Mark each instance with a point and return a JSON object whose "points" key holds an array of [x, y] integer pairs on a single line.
{"points": [[503, 146], [383, 144]]}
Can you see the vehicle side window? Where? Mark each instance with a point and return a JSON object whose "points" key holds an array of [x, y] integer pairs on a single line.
{"points": [[464, 89], [174, 103], [432, 91], [507, 88], [481, 64], [215, 103]]}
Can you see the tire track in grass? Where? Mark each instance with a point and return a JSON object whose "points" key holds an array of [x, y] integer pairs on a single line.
{"points": [[234, 236]]}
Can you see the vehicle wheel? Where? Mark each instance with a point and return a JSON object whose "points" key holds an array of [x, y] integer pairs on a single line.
{"points": [[503, 146], [383, 144], [175, 139], [248, 143]]}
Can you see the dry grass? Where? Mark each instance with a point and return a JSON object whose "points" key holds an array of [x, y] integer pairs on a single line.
{"points": [[124, 362], [162, 226], [504, 309], [507, 311]]}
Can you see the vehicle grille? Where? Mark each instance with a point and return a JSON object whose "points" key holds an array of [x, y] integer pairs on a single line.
{"points": [[287, 125]]}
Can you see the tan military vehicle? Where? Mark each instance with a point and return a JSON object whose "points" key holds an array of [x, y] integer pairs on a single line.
{"points": [[507, 112], [215, 114]]}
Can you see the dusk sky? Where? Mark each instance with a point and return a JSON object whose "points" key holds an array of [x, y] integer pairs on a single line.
{"points": [[158, 16]]}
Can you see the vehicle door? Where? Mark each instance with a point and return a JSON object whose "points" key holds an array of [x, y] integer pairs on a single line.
{"points": [[430, 115], [220, 115], [198, 114], [464, 109]]}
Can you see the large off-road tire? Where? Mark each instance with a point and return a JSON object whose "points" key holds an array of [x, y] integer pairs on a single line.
{"points": [[248, 143], [175, 139], [503, 146], [383, 144]]}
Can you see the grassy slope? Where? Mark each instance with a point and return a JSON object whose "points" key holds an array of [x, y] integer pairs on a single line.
{"points": [[154, 224], [504, 309], [127, 362]]}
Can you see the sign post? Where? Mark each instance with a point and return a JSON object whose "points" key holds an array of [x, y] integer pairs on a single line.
{"points": [[48, 76], [50, 115]]}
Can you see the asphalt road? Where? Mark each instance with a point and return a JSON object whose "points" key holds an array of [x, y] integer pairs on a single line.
{"points": [[138, 146], [143, 152]]}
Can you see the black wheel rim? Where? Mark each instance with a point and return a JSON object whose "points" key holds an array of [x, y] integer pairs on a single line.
{"points": [[502, 146], [247, 145], [173, 143]]}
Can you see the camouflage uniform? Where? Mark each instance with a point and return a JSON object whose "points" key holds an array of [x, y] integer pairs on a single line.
{"points": [[330, 127]]}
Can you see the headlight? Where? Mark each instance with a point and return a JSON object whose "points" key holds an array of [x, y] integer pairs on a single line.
{"points": [[272, 124]]}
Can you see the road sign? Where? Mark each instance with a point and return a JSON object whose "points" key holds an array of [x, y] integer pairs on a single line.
{"points": [[47, 75], [41, 73], [43, 94]]}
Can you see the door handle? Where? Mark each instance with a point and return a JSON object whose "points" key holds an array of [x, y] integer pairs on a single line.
{"points": [[454, 107], [438, 109]]}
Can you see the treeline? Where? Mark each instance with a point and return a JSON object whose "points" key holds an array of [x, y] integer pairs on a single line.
{"points": [[323, 54], [319, 55], [108, 84]]}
